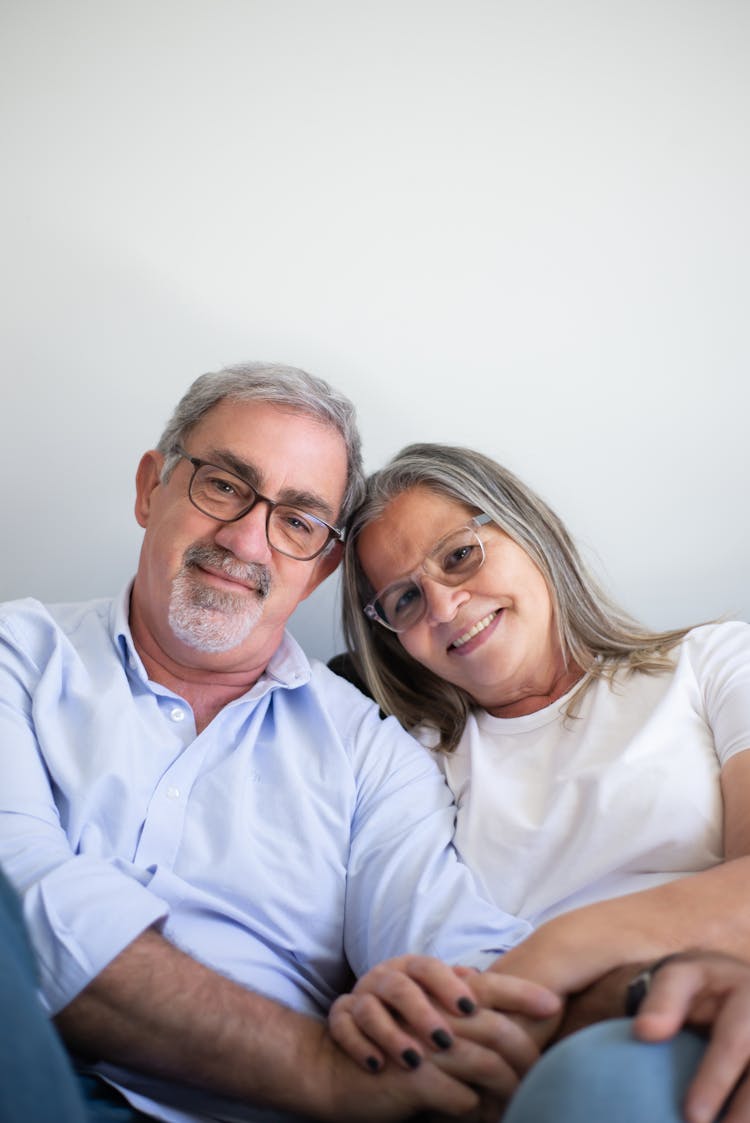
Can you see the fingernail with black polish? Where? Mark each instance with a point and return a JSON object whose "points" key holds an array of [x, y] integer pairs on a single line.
{"points": [[373, 1064], [442, 1039], [412, 1058], [466, 1006]]}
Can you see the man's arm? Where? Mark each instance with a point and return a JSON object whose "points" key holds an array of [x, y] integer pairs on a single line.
{"points": [[156, 1010]]}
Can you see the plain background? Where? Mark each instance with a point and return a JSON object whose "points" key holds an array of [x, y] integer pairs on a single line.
{"points": [[517, 225]]}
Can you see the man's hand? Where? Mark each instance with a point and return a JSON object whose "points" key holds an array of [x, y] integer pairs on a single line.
{"points": [[414, 1009], [710, 991]]}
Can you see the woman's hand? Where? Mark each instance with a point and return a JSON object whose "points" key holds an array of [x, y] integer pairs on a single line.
{"points": [[412, 1004], [709, 990]]}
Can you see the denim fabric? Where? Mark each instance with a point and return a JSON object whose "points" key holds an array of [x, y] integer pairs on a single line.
{"points": [[36, 1079], [603, 1073]]}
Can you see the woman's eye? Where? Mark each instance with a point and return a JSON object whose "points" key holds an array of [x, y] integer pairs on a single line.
{"points": [[458, 558], [406, 599]]}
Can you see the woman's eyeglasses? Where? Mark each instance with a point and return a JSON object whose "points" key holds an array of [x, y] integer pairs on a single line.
{"points": [[454, 559]]}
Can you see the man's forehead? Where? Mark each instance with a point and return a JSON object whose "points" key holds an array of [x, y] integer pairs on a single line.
{"points": [[300, 457]]}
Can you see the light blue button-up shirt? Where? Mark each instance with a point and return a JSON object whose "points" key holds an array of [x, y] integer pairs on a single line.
{"points": [[295, 834]]}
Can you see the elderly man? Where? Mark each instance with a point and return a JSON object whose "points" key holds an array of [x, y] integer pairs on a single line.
{"points": [[209, 835]]}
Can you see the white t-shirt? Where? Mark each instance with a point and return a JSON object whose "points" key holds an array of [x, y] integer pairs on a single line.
{"points": [[557, 812]]}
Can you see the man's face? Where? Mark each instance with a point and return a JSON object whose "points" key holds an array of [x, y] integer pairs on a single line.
{"points": [[216, 595]]}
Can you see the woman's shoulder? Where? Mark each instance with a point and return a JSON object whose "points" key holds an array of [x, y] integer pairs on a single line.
{"points": [[714, 653], [719, 636]]}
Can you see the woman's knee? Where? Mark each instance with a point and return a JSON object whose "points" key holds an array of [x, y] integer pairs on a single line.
{"points": [[603, 1072]]}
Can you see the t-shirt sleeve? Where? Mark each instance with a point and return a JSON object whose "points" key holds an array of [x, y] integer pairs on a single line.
{"points": [[725, 677]]}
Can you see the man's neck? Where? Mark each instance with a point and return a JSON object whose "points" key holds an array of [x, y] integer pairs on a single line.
{"points": [[207, 688], [207, 692]]}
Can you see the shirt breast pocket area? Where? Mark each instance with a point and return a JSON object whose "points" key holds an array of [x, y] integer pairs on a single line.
{"points": [[269, 837]]}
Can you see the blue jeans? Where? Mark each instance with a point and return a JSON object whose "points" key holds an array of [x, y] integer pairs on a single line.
{"points": [[603, 1075], [37, 1081]]}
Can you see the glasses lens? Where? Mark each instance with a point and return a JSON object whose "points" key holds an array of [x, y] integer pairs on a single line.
{"points": [[456, 557], [400, 605], [294, 532], [220, 494]]}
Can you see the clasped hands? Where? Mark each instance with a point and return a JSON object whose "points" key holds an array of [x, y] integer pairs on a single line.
{"points": [[483, 1029], [487, 1029]]}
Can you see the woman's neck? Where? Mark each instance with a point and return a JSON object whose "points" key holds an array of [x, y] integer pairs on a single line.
{"points": [[531, 702]]}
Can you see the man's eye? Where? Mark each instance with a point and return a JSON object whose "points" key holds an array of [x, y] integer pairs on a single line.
{"points": [[298, 523], [222, 486]]}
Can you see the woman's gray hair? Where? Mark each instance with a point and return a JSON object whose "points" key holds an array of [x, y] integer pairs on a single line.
{"points": [[594, 632], [287, 387]]}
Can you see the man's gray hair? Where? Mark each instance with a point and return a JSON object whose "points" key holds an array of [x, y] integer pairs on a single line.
{"points": [[288, 387]]}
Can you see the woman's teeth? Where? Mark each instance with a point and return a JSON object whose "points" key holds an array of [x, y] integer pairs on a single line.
{"points": [[478, 627]]}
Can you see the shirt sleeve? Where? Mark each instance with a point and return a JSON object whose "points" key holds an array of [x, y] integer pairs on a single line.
{"points": [[407, 890], [725, 677], [80, 911]]}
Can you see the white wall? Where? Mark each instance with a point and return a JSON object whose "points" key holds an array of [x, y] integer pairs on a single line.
{"points": [[519, 225]]}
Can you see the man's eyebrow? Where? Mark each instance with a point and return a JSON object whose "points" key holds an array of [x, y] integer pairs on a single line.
{"points": [[305, 500]]}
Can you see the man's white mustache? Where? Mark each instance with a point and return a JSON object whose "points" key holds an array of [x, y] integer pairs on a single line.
{"points": [[251, 573]]}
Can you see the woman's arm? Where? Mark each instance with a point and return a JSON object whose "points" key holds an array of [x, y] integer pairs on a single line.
{"points": [[735, 789], [710, 909]]}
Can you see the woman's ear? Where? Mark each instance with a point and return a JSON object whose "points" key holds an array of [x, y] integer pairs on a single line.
{"points": [[147, 477]]}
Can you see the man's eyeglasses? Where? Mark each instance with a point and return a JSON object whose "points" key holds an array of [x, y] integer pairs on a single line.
{"points": [[452, 560], [227, 497]]}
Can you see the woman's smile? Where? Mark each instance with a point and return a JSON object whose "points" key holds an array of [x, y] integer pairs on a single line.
{"points": [[479, 632]]}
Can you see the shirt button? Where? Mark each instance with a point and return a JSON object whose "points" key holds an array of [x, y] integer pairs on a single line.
{"points": [[173, 793], [177, 714]]}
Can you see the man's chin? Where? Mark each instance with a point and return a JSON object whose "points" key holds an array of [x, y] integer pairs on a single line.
{"points": [[212, 632]]}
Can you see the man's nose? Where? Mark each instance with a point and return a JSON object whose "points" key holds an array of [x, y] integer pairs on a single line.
{"points": [[246, 538], [443, 601]]}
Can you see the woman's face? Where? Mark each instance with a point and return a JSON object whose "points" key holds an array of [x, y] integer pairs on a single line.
{"points": [[495, 634]]}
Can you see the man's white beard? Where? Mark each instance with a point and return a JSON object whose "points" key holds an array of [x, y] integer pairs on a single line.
{"points": [[211, 619]]}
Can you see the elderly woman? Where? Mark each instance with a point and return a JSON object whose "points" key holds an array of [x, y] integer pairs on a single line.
{"points": [[595, 763]]}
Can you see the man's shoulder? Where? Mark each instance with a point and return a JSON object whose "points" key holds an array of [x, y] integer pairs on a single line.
{"points": [[27, 620], [339, 691], [364, 730]]}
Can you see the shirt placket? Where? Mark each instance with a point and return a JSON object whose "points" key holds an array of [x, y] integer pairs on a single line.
{"points": [[165, 816]]}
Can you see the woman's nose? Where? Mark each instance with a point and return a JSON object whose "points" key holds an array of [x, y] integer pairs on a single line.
{"points": [[443, 601]]}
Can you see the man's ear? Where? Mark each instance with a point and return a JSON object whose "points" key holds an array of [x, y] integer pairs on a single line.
{"points": [[324, 567], [147, 477]]}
